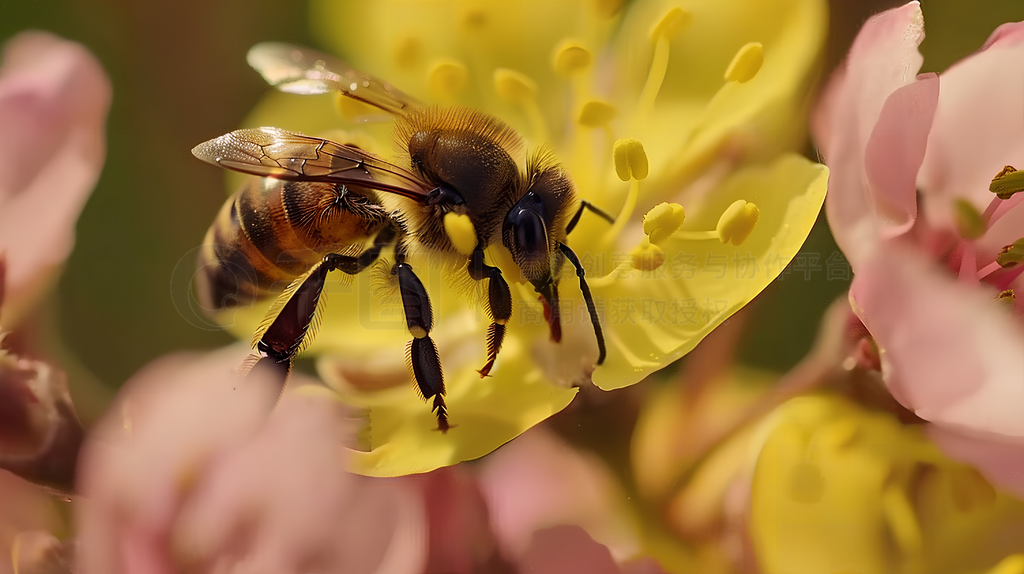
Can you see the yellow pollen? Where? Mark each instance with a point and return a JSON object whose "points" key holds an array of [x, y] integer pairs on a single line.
{"points": [[461, 232], [570, 57], [630, 159], [1007, 297], [662, 221], [647, 256], [968, 220], [1013, 564], [737, 222], [1007, 182], [673, 22], [447, 78], [596, 114], [407, 51], [746, 63]]}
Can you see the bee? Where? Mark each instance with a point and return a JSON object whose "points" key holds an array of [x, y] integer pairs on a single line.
{"points": [[318, 209]]}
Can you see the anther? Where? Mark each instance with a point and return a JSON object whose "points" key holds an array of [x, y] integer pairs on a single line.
{"points": [[673, 22], [737, 222], [746, 63], [647, 256], [596, 114], [630, 159], [461, 232], [1006, 297], [447, 78], [1012, 254], [1007, 182], [407, 51], [662, 221], [570, 57], [519, 88], [514, 86], [968, 220]]}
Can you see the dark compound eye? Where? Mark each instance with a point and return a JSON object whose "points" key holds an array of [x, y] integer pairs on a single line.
{"points": [[526, 236]]}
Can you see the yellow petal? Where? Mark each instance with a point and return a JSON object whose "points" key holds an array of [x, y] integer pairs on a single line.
{"points": [[653, 319]]}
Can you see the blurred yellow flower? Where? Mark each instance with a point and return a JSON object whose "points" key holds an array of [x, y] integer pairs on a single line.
{"points": [[840, 489], [704, 100]]}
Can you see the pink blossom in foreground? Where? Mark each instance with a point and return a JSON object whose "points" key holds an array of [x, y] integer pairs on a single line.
{"points": [[54, 97], [193, 469], [941, 310], [24, 509]]}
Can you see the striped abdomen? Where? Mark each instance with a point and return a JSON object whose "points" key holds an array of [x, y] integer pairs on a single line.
{"points": [[271, 231]]}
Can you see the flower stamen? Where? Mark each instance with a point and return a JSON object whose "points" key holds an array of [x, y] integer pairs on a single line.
{"points": [[519, 88], [630, 161], [662, 34], [746, 63], [1007, 182], [447, 78]]}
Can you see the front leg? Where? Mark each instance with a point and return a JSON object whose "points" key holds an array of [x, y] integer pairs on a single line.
{"points": [[422, 353], [499, 305]]}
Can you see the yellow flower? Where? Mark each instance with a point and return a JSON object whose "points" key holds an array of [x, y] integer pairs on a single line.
{"points": [[702, 99], [839, 489]]}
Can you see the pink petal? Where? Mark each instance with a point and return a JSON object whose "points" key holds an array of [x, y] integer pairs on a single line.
{"points": [[949, 351], [979, 125], [54, 98], [883, 58], [1000, 459], [1007, 226], [566, 550], [894, 153]]}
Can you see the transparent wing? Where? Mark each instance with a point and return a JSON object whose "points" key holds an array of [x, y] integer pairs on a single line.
{"points": [[281, 154], [299, 70]]}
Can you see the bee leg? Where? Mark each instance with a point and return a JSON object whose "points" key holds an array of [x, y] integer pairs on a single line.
{"points": [[587, 205], [421, 353], [499, 303], [591, 308]]}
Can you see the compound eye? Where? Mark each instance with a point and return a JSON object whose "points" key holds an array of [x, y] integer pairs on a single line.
{"points": [[526, 236]]}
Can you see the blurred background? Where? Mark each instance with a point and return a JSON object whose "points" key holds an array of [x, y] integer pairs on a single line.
{"points": [[180, 78]]}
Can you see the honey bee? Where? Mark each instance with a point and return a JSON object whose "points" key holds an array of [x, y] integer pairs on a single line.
{"points": [[318, 209]]}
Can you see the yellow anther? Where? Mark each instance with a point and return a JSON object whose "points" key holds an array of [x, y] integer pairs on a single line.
{"points": [[570, 57], [514, 86], [1011, 255], [407, 51], [1007, 182], [1013, 564], [647, 256], [596, 114], [474, 18], [461, 232], [670, 24], [746, 63], [662, 221], [737, 222], [968, 221], [630, 159], [447, 79], [1008, 297], [902, 520]]}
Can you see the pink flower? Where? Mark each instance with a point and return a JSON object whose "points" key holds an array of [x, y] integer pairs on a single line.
{"points": [[54, 97], [192, 469], [24, 509], [929, 289]]}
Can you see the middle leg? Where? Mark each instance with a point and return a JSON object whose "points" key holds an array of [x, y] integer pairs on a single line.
{"points": [[499, 305]]}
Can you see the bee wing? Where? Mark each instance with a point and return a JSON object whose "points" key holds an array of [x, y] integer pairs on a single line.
{"points": [[281, 154], [299, 70]]}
